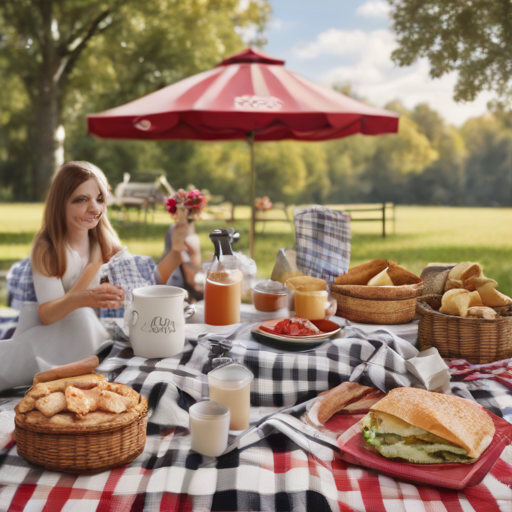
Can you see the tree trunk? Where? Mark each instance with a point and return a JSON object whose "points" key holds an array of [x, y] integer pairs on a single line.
{"points": [[46, 144]]}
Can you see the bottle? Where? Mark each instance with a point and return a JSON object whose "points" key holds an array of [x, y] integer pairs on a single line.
{"points": [[223, 288]]}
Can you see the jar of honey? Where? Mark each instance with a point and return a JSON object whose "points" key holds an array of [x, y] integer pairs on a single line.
{"points": [[269, 296]]}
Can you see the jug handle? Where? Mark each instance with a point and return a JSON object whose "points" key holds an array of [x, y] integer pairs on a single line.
{"points": [[134, 317], [188, 309]]}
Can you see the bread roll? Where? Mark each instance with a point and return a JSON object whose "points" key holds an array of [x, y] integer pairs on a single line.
{"points": [[361, 274], [490, 296], [482, 312], [475, 299], [381, 279], [69, 370], [455, 302], [401, 276], [464, 275]]}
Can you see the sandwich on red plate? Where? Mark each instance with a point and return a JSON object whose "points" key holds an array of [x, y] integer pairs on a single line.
{"points": [[425, 427]]}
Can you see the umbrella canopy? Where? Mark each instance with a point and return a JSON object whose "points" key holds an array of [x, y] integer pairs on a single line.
{"points": [[248, 96]]}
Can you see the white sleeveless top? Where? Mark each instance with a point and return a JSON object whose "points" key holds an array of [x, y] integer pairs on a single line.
{"points": [[51, 288]]}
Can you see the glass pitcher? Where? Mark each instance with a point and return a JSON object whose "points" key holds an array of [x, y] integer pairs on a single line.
{"points": [[223, 288]]}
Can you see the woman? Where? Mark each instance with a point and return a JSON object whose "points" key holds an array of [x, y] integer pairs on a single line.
{"points": [[76, 238]]}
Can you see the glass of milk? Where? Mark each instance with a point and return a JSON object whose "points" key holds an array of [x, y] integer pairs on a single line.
{"points": [[209, 425], [230, 385]]}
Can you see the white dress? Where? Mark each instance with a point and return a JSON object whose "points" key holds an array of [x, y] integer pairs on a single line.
{"points": [[36, 347]]}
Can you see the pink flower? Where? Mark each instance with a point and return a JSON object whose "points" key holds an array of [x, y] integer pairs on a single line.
{"points": [[194, 193]]}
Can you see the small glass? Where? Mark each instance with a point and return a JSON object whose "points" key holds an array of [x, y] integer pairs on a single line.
{"points": [[209, 425]]}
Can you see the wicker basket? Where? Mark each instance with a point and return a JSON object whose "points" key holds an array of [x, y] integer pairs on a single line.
{"points": [[98, 448], [476, 340], [377, 304]]}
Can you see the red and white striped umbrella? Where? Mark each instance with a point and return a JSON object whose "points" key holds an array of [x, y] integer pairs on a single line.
{"points": [[248, 96]]}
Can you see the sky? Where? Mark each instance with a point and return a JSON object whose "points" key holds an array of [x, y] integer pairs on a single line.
{"points": [[350, 41]]}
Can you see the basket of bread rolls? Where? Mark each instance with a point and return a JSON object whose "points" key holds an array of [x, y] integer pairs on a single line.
{"points": [[464, 315], [74, 420], [377, 292]]}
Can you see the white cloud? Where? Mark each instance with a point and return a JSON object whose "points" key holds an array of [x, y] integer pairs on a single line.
{"points": [[275, 24], [349, 43], [373, 9], [364, 61], [248, 33]]}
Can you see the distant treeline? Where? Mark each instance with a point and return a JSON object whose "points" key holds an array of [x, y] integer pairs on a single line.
{"points": [[428, 162], [96, 55]]}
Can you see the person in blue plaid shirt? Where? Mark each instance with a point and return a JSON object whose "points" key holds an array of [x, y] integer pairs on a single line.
{"points": [[63, 276]]}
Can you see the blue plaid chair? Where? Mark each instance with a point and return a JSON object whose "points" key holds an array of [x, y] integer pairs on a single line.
{"points": [[20, 285], [322, 242]]}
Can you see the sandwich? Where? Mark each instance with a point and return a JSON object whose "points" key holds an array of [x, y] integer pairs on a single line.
{"points": [[425, 427]]}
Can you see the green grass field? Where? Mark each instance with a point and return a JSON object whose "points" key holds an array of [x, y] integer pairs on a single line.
{"points": [[421, 235]]}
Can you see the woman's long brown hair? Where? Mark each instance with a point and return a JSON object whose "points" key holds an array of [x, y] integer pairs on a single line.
{"points": [[49, 248]]}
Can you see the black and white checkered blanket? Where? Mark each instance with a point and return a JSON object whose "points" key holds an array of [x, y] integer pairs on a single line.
{"points": [[283, 386]]}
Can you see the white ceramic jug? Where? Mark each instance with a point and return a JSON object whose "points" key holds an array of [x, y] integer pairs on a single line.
{"points": [[157, 321]]}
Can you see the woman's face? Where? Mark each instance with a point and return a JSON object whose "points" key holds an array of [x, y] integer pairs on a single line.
{"points": [[85, 207]]}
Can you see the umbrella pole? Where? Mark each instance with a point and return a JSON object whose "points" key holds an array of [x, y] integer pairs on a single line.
{"points": [[250, 140]]}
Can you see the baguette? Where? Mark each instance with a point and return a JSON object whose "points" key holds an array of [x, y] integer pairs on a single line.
{"points": [[75, 369]]}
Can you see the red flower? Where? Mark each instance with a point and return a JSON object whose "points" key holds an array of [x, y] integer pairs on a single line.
{"points": [[171, 205], [193, 200]]}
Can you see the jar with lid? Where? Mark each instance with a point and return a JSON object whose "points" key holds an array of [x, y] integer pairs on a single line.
{"points": [[230, 385], [269, 296]]}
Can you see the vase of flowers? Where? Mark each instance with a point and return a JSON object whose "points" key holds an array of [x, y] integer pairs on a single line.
{"points": [[186, 206]]}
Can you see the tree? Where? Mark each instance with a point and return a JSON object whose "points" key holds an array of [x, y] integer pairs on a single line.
{"points": [[472, 38], [396, 159], [489, 162], [48, 43]]}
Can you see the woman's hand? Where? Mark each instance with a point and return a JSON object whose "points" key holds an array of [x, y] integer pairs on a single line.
{"points": [[107, 296]]}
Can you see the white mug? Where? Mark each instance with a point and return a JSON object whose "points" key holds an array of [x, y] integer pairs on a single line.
{"points": [[157, 321]]}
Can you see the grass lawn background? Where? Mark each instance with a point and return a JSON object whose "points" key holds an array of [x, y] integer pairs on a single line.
{"points": [[421, 235]]}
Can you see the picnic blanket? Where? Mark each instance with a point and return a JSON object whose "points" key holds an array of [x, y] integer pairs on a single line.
{"points": [[282, 466]]}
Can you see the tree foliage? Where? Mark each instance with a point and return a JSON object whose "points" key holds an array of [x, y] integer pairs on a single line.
{"points": [[139, 47], [74, 57], [469, 37]]}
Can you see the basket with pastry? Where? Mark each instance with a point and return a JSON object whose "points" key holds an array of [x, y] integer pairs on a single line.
{"points": [[75, 420], [465, 316], [377, 292]]}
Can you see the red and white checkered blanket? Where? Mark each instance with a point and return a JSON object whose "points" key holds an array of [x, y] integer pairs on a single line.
{"points": [[288, 468]]}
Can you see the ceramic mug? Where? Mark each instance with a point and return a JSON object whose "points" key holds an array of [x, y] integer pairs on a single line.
{"points": [[157, 320]]}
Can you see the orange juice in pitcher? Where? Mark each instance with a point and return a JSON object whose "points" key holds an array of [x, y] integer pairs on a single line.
{"points": [[223, 288]]}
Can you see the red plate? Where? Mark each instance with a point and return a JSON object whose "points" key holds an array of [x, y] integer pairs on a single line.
{"points": [[452, 476]]}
